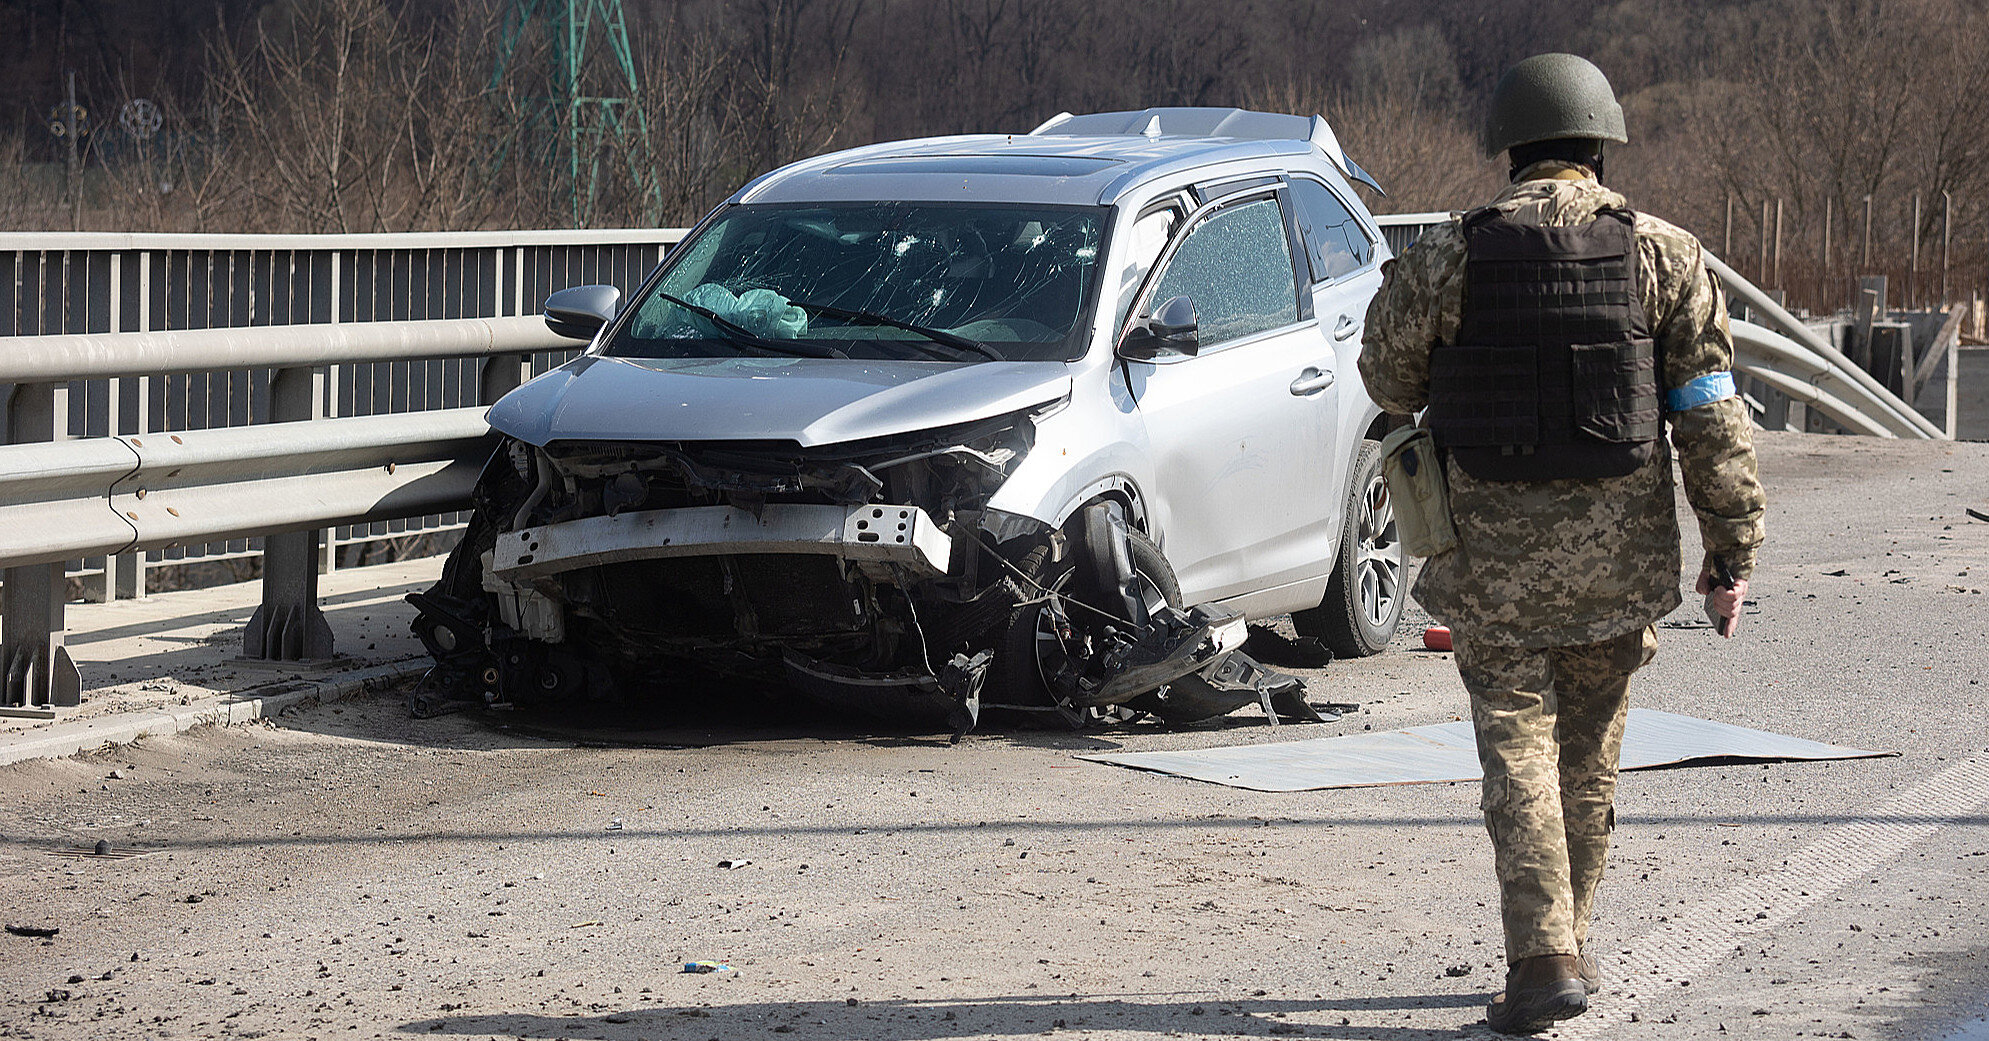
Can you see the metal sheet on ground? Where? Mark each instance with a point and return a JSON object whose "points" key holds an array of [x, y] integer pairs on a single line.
{"points": [[1447, 752]]}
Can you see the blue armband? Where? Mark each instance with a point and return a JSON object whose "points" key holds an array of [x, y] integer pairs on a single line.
{"points": [[1705, 390]]}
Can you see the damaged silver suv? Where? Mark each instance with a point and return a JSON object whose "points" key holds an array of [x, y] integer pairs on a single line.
{"points": [[938, 427]]}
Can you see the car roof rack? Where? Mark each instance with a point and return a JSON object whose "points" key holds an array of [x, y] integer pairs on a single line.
{"points": [[1235, 123]]}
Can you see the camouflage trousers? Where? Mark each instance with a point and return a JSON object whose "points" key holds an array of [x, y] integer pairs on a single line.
{"points": [[1550, 726]]}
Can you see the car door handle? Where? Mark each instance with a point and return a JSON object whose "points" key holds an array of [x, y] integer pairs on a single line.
{"points": [[1310, 380], [1347, 327]]}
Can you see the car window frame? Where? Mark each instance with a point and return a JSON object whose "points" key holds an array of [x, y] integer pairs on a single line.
{"points": [[1080, 340], [1301, 297], [1353, 212], [1301, 260], [1183, 202]]}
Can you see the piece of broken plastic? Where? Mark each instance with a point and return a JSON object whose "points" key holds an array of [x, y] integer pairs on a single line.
{"points": [[706, 966]]}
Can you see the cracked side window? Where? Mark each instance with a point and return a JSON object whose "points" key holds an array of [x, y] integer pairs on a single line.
{"points": [[1236, 267], [925, 281]]}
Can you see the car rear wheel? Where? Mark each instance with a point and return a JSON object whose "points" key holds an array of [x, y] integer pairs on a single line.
{"points": [[1364, 599]]}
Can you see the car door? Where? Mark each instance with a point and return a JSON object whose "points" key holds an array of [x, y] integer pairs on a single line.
{"points": [[1340, 258], [1237, 429]]}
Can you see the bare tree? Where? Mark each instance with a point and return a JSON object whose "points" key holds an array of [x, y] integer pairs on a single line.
{"points": [[793, 90], [310, 107], [362, 115], [693, 150], [457, 137], [175, 179], [343, 116], [1397, 116], [23, 202]]}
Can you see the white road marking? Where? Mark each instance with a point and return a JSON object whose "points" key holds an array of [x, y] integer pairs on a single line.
{"points": [[1694, 939]]}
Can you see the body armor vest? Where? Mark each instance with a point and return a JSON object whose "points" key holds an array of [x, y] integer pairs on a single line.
{"points": [[1554, 373]]}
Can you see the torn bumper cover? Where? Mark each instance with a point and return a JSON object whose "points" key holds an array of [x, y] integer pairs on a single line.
{"points": [[899, 536], [1183, 666]]}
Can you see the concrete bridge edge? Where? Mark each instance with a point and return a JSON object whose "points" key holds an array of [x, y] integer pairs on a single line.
{"points": [[269, 700]]}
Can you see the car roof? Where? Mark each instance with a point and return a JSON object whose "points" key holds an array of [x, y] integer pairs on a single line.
{"points": [[1071, 160]]}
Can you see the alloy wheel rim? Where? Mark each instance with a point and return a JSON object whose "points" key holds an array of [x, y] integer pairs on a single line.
{"points": [[1378, 571]]}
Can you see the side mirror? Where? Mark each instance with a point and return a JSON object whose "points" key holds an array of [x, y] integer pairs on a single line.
{"points": [[1171, 327], [580, 312]]}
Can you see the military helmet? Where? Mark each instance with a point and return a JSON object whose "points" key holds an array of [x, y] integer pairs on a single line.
{"points": [[1551, 96]]}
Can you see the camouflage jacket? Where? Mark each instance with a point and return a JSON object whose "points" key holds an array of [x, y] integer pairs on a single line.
{"points": [[1557, 563]]}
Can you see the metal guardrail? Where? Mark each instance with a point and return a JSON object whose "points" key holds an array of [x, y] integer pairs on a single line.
{"points": [[283, 480], [97, 283], [1799, 358], [203, 375], [1402, 229], [117, 494]]}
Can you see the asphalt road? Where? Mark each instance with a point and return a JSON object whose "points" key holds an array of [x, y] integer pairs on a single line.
{"points": [[349, 872]]}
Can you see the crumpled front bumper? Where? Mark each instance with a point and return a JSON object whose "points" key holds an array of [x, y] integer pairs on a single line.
{"points": [[901, 536]]}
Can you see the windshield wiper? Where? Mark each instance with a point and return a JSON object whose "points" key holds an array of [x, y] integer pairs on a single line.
{"points": [[751, 338], [939, 336]]}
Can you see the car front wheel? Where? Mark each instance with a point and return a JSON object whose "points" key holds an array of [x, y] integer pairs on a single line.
{"points": [[1364, 599], [1055, 626]]}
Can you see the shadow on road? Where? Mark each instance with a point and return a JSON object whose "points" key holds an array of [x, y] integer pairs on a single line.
{"points": [[921, 1020], [417, 831], [720, 714]]}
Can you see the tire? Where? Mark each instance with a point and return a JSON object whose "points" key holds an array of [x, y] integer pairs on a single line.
{"points": [[1364, 599], [1024, 655]]}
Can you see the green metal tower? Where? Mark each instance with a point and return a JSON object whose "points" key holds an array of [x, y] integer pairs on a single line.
{"points": [[593, 112]]}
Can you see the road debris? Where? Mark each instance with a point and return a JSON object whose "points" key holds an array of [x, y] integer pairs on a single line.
{"points": [[1275, 648], [706, 966], [36, 931], [1447, 752]]}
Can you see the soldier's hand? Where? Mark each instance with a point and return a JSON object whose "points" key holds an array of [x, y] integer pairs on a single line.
{"points": [[1723, 600]]}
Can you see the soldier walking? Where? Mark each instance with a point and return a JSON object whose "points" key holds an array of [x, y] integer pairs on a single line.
{"points": [[1552, 334]]}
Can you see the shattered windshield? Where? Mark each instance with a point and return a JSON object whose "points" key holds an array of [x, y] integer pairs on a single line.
{"points": [[875, 280]]}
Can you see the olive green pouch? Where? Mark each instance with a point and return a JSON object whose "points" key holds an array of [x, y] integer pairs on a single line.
{"points": [[1415, 479]]}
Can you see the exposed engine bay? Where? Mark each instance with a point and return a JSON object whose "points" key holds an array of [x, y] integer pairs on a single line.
{"points": [[868, 575]]}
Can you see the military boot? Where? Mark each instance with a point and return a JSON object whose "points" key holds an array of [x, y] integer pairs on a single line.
{"points": [[1540, 992]]}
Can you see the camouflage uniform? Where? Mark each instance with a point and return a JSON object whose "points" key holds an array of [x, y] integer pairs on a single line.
{"points": [[1554, 585]]}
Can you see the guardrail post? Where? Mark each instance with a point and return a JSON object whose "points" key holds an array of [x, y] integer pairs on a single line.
{"points": [[131, 570], [289, 626], [38, 674], [501, 374]]}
